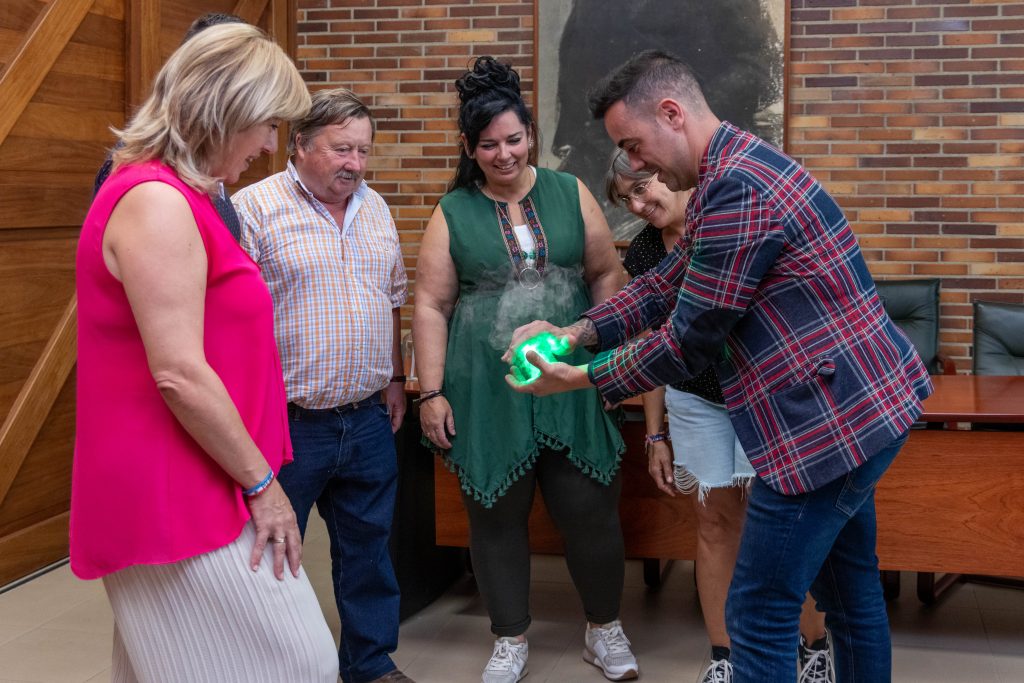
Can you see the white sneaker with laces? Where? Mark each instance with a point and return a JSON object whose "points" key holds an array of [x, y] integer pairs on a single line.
{"points": [[508, 661], [719, 671], [607, 648]]}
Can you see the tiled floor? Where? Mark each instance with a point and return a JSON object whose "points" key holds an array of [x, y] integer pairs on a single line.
{"points": [[56, 629]]}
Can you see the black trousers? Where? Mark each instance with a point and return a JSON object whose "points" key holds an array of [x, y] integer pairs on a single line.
{"points": [[586, 513]]}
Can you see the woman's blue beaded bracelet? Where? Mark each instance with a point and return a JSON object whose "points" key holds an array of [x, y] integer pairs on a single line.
{"points": [[655, 438], [260, 487]]}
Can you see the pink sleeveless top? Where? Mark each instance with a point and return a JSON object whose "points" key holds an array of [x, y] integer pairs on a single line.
{"points": [[143, 491]]}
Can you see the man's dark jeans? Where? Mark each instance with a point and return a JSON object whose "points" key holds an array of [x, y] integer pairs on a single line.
{"points": [[823, 541], [345, 462]]}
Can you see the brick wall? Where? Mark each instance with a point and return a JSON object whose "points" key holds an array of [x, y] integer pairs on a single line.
{"points": [[911, 112], [402, 57]]}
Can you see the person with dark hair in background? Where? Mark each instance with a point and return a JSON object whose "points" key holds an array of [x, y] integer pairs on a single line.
{"points": [[205, 21], [328, 249], [821, 385], [507, 243], [707, 462], [220, 201]]}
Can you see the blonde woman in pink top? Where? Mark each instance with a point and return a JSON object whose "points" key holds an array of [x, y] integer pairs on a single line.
{"points": [[181, 418]]}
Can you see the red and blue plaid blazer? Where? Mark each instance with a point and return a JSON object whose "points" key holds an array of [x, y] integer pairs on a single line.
{"points": [[769, 285]]}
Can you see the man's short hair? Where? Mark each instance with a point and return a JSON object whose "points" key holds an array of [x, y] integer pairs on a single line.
{"points": [[330, 107], [648, 75]]}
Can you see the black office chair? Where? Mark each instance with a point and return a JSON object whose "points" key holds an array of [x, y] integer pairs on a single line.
{"points": [[914, 306], [998, 346], [998, 338]]}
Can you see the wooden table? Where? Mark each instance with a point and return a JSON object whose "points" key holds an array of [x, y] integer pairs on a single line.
{"points": [[952, 501]]}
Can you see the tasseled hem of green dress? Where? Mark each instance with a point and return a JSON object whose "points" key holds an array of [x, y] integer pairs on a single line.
{"points": [[489, 499], [540, 440]]}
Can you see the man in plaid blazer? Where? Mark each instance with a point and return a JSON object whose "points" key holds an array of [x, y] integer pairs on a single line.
{"points": [[769, 285]]}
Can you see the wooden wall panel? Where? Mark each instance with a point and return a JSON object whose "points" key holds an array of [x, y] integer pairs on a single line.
{"points": [[33, 547], [18, 16], [65, 97], [115, 9], [30, 201], [21, 154], [44, 479], [28, 65], [52, 150], [36, 281], [89, 92], [53, 123], [61, 95]]}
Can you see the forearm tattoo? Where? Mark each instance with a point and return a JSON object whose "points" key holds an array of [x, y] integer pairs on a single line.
{"points": [[585, 332]]}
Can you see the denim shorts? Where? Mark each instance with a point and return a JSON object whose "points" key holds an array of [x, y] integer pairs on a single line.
{"points": [[706, 451]]}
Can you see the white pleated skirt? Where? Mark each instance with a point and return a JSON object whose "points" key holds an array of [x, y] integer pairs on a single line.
{"points": [[211, 619]]}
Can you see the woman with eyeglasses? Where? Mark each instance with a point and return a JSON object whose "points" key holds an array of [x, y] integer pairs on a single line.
{"points": [[705, 458]]}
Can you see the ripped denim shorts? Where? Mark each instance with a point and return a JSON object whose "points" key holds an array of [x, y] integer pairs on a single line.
{"points": [[706, 451]]}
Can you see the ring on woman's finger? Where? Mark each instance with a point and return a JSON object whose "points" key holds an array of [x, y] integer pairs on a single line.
{"points": [[277, 540]]}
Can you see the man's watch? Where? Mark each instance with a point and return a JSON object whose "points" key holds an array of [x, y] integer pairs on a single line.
{"points": [[398, 378]]}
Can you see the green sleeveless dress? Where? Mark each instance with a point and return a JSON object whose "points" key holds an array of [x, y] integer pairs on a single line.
{"points": [[499, 431]]}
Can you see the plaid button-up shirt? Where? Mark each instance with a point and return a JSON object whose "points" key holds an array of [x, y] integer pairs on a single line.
{"points": [[816, 376], [334, 286]]}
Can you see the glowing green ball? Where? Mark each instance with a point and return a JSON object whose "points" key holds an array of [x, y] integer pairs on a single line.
{"points": [[547, 346]]}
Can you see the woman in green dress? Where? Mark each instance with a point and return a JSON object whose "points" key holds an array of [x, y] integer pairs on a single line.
{"points": [[510, 243]]}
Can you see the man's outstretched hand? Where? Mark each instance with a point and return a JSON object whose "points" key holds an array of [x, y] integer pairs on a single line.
{"points": [[555, 378]]}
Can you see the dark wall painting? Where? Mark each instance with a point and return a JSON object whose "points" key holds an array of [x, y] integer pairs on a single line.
{"points": [[736, 47]]}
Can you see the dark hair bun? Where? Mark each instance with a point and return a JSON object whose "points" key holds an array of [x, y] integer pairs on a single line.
{"points": [[487, 74]]}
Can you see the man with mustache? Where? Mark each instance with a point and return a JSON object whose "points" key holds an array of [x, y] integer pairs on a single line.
{"points": [[328, 249]]}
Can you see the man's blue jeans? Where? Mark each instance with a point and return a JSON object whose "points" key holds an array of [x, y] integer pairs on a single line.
{"points": [[345, 462], [823, 541]]}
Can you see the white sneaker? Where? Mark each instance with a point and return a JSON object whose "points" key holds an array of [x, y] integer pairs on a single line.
{"points": [[719, 671], [608, 649], [508, 661]]}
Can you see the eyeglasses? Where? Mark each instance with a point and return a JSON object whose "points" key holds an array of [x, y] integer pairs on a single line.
{"points": [[637, 192]]}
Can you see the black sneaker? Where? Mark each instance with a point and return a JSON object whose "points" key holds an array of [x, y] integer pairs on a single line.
{"points": [[816, 661]]}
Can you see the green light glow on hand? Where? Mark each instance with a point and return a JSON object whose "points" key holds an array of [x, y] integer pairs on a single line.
{"points": [[547, 346]]}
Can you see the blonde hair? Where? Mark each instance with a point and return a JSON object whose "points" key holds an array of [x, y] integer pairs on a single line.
{"points": [[223, 80]]}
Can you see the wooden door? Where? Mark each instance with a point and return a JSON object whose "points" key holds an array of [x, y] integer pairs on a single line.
{"points": [[69, 70]]}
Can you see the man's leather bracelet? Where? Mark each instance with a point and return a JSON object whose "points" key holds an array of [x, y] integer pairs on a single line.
{"points": [[428, 395], [399, 378]]}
